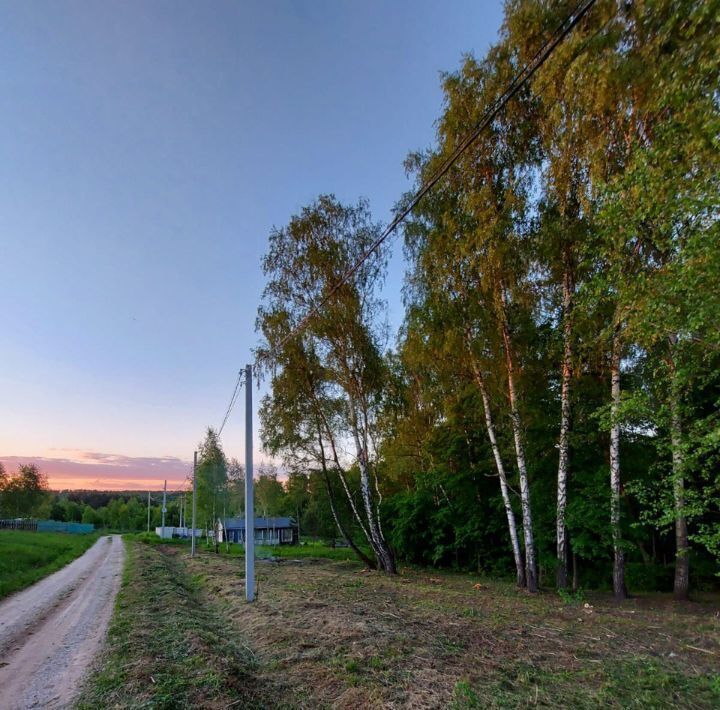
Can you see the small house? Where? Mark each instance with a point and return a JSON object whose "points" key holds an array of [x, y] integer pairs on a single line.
{"points": [[268, 531]]}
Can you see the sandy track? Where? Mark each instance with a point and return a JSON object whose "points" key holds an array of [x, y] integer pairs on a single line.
{"points": [[51, 632]]}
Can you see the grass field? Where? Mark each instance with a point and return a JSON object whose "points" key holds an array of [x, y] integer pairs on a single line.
{"points": [[324, 633], [308, 550], [26, 557]]}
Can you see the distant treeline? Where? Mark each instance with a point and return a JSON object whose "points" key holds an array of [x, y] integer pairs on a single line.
{"points": [[100, 499], [25, 494]]}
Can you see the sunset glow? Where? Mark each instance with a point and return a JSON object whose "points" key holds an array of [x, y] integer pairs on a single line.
{"points": [[110, 472], [147, 155]]}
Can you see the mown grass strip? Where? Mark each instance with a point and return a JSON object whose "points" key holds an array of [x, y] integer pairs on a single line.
{"points": [[26, 557], [308, 550], [167, 646], [635, 682], [317, 551]]}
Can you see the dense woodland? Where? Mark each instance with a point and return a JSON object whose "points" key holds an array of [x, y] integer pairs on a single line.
{"points": [[550, 406]]}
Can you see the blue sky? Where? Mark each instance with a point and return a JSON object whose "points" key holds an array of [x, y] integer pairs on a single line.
{"points": [[146, 150]]}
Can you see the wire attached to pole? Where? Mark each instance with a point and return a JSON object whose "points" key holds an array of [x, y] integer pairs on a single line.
{"points": [[520, 79], [233, 400], [515, 85]]}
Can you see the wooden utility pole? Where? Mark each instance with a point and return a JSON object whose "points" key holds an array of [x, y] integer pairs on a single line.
{"points": [[148, 511]]}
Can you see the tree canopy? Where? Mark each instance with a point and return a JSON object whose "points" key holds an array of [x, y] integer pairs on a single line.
{"points": [[551, 403]]}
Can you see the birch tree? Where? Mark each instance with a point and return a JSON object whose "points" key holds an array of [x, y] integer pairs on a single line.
{"points": [[663, 206], [305, 262], [301, 419], [211, 475], [474, 254]]}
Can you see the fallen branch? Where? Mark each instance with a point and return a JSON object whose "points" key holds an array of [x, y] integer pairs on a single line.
{"points": [[702, 650]]}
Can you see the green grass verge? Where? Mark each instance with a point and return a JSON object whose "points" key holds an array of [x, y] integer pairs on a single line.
{"points": [[26, 557], [309, 550], [167, 646], [635, 682], [327, 634]]}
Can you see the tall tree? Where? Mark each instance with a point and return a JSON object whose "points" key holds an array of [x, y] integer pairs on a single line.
{"points": [[211, 480], [561, 334], [269, 491], [24, 492], [301, 420], [235, 487], [476, 223], [657, 210], [304, 264]]}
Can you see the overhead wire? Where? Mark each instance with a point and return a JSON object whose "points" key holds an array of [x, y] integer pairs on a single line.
{"points": [[231, 404], [515, 85], [518, 81]]}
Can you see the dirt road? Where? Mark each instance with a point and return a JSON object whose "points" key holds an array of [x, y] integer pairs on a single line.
{"points": [[50, 632]]}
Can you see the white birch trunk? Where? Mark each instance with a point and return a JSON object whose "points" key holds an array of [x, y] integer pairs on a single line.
{"points": [[619, 588], [382, 551], [564, 440], [530, 564], [331, 498], [512, 525], [378, 494], [341, 474]]}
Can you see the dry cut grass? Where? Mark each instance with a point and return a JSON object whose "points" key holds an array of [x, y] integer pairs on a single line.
{"points": [[329, 634]]}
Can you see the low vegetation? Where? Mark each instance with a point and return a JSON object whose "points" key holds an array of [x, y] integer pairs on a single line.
{"points": [[326, 633], [168, 647], [26, 557], [307, 550]]}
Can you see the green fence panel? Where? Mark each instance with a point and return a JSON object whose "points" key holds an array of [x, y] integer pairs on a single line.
{"points": [[74, 528]]}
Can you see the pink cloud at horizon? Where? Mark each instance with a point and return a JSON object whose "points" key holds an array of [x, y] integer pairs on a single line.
{"points": [[100, 471]]}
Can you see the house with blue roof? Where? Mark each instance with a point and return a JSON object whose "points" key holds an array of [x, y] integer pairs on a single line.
{"points": [[268, 531]]}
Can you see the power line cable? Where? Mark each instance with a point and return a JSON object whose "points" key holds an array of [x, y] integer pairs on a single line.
{"points": [[233, 399], [521, 78], [515, 85]]}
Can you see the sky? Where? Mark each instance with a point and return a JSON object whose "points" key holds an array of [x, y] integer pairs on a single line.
{"points": [[146, 151]]}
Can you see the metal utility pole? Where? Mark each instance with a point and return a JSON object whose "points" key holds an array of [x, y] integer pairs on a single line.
{"points": [[148, 511], [224, 529], [249, 500], [194, 508], [164, 509]]}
